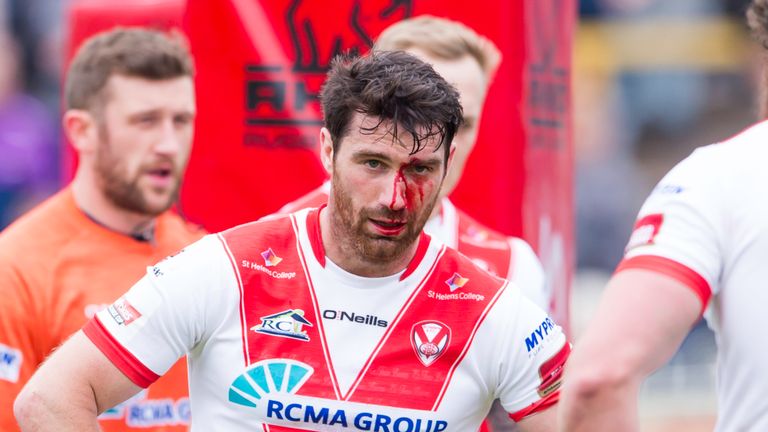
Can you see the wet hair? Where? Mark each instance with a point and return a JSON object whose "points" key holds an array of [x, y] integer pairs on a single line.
{"points": [[398, 90], [757, 19], [438, 37], [133, 52]]}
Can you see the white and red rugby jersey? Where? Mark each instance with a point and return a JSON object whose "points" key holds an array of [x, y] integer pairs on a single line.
{"points": [[507, 257], [280, 339], [706, 224]]}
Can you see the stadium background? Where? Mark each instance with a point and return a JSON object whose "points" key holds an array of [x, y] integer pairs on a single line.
{"points": [[651, 79]]}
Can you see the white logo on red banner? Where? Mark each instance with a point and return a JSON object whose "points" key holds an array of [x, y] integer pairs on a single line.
{"points": [[430, 340]]}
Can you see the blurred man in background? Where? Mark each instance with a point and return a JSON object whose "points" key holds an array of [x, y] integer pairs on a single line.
{"points": [[468, 61], [130, 108], [698, 248]]}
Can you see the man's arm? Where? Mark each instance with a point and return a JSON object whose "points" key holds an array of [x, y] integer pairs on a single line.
{"points": [[642, 319], [71, 388]]}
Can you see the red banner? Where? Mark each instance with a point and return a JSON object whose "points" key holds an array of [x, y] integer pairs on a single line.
{"points": [[260, 65]]}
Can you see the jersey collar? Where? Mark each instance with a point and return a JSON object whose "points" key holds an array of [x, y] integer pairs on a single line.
{"points": [[316, 241]]}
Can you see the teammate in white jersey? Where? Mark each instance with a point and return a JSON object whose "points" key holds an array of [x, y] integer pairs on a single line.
{"points": [[346, 317], [699, 247]]}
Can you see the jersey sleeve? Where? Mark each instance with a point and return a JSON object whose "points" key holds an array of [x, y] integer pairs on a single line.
{"points": [[19, 353], [527, 273], [677, 230], [166, 313], [533, 353]]}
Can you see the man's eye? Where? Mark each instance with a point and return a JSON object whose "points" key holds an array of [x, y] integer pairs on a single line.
{"points": [[181, 120], [147, 120], [373, 163], [421, 169]]}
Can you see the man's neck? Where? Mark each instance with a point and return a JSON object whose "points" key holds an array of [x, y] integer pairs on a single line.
{"points": [[92, 201], [339, 253]]}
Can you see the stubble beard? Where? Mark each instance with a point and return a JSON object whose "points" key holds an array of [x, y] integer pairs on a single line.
{"points": [[121, 190], [349, 227]]}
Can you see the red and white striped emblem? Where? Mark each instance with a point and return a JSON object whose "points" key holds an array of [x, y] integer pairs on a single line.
{"points": [[429, 340]]}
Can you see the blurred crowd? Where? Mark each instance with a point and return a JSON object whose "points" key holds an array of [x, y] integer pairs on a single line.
{"points": [[30, 140]]}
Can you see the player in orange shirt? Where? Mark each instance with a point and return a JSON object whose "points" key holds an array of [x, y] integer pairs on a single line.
{"points": [[130, 107]]}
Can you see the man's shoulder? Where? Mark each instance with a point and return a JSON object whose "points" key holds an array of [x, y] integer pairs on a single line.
{"points": [[465, 265], [315, 198], [470, 229], [274, 225], [39, 230], [491, 249], [742, 150]]}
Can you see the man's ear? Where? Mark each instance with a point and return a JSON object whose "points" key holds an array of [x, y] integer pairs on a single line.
{"points": [[81, 130], [326, 150]]}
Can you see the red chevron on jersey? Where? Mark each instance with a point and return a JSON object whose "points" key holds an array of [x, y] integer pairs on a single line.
{"points": [[460, 313], [280, 318], [282, 290]]}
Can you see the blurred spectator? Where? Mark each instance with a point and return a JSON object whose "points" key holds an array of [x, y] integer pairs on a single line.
{"points": [[28, 142], [37, 25]]}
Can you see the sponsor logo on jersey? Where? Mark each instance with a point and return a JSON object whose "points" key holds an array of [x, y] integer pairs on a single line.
{"points": [[668, 189], [551, 371], [118, 411], [343, 418], [372, 320], [461, 295], [268, 376], [476, 234], [456, 281], [271, 385], [140, 412], [429, 340], [646, 229], [479, 237], [270, 259], [287, 324], [157, 272], [123, 312], [158, 412], [10, 363], [533, 342]]}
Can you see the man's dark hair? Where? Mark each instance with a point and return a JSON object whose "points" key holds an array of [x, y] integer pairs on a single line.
{"points": [[397, 89], [133, 52], [757, 18]]}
